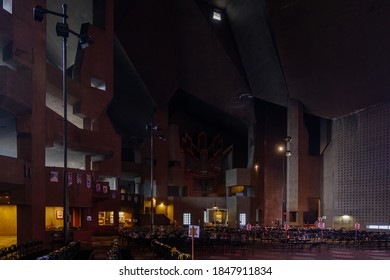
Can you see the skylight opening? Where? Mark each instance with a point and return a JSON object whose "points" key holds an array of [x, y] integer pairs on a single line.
{"points": [[217, 16]]}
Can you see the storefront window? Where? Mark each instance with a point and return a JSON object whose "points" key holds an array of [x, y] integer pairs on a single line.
{"points": [[125, 219], [106, 218], [54, 217]]}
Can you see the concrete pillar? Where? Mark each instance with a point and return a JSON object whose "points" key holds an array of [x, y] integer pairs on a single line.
{"points": [[38, 129], [292, 160], [251, 145]]}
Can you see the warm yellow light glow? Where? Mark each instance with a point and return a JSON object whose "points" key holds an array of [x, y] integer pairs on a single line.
{"points": [[346, 217], [280, 148], [8, 216], [257, 166], [237, 189]]}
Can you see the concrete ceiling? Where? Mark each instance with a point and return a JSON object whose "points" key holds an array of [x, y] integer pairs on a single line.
{"points": [[333, 56]]}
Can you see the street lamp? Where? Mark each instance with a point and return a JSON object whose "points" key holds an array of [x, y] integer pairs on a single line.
{"points": [[63, 31], [152, 128]]}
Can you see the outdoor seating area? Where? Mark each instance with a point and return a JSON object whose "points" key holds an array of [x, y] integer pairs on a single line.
{"points": [[168, 242], [23, 251], [241, 242]]}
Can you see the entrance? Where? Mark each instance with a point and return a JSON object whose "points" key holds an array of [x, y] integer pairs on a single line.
{"points": [[8, 225], [215, 216]]}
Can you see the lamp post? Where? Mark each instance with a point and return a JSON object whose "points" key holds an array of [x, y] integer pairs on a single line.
{"points": [[151, 127], [63, 31]]}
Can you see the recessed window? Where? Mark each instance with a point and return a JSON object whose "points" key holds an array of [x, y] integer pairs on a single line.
{"points": [[242, 219], [97, 83], [7, 5], [186, 219]]}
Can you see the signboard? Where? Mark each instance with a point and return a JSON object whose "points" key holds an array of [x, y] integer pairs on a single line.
{"points": [[194, 231], [357, 226], [321, 225]]}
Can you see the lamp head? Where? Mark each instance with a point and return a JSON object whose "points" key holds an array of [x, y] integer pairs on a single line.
{"points": [[85, 41], [62, 30], [38, 13]]}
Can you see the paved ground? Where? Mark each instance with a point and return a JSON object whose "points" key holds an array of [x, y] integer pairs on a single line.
{"points": [[102, 245], [259, 253]]}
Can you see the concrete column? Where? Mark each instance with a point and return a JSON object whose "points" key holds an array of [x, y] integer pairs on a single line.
{"points": [[251, 145], [88, 163], [292, 161], [38, 129]]}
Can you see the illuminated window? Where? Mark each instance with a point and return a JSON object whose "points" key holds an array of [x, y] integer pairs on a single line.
{"points": [[242, 219], [106, 218], [206, 216], [76, 217], [54, 217], [186, 219]]}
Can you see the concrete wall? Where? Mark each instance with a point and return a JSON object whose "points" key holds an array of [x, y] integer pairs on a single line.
{"points": [[356, 169]]}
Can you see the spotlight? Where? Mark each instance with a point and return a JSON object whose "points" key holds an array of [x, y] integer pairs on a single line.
{"points": [[62, 30], [38, 13], [85, 41]]}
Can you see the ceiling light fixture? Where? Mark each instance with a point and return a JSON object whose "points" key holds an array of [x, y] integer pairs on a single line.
{"points": [[217, 15], [245, 95]]}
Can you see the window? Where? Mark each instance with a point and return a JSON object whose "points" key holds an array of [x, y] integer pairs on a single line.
{"points": [[7, 5], [106, 218], [205, 216], [186, 219], [174, 163], [242, 219], [173, 191], [97, 83]]}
